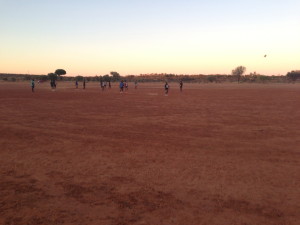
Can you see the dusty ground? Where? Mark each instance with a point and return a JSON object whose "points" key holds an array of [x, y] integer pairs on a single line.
{"points": [[217, 154]]}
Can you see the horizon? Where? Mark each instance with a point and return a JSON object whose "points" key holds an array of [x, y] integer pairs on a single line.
{"points": [[173, 37], [150, 74]]}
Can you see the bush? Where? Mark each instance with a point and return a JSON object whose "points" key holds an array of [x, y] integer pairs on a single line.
{"points": [[293, 76]]}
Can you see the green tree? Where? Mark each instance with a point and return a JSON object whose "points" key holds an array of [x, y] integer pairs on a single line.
{"points": [[106, 78], [238, 72], [263, 78], [27, 77], [115, 76], [43, 77], [52, 76], [293, 76], [79, 78], [212, 79], [60, 72]]}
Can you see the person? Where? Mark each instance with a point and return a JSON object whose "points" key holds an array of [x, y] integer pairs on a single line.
{"points": [[166, 88], [109, 85], [121, 86], [135, 84], [126, 86], [76, 84], [53, 84], [32, 85], [181, 84], [83, 83], [101, 84]]}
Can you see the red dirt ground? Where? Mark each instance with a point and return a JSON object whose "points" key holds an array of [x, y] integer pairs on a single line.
{"points": [[215, 154]]}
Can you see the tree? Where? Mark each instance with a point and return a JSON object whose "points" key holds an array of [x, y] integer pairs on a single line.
{"points": [[52, 76], [106, 78], [115, 76], [294, 75], [212, 79], [263, 78], [79, 78], [43, 77], [60, 72], [239, 71], [27, 77]]}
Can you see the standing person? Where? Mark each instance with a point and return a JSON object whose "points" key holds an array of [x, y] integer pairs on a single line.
{"points": [[180, 85], [109, 85], [32, 85], [135, 84], [53, 84], [83, 83], [101, 83], [126, 86], [76, 84], [121, 86], [166, 88]]}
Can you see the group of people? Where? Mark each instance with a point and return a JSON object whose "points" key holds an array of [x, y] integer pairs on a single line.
{"points": [[167, 87], [76, 84], [32, 84], [123, 85], [103, 84]]}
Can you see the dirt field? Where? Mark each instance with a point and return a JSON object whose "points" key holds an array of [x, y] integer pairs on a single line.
{"points": [[215, 154]]}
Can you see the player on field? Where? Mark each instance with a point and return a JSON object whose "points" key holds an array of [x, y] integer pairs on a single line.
{"points": [[166, 88], [121, 86], [180, 85], [32, 85]]}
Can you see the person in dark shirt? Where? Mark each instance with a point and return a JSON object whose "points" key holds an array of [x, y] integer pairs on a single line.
{"points": [[180, 85], [166, 88], [121, 86], [32, 85]]}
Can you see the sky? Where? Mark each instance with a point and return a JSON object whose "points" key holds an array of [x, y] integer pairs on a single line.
{"points": [[95, 37]]}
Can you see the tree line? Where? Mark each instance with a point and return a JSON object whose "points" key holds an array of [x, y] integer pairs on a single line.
{"points": [[237, 75]]}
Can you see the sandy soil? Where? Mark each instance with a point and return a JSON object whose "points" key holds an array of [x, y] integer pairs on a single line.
{"points": [[214, 154]]}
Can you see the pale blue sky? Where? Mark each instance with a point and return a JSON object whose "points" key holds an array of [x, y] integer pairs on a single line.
{"points": [[184, 37]]}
